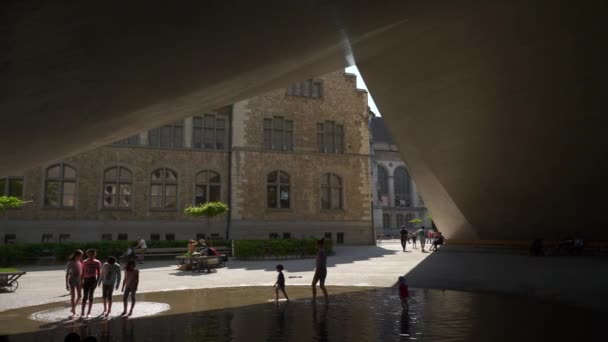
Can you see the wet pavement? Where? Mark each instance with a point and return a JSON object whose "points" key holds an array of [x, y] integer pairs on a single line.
{"points": [[353, 314]]}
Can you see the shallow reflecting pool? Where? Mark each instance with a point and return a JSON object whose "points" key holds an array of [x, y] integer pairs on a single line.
{"points": [[354, 314]]}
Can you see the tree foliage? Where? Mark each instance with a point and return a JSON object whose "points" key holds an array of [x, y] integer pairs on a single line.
{"points": [[9, 202], [208, 210], [416, 220]]}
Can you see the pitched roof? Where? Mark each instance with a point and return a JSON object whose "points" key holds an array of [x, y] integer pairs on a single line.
{"points": [[379, 131]]}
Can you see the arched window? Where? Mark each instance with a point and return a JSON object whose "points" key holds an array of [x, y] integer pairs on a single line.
{"points": [[382, 185], [207, 187], [60, 186], [277, 190], [402, 187], [117, 186], [331, 191], [163, 189]]}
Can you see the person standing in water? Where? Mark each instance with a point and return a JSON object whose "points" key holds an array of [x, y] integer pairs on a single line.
{"points": [[320, 272], [91, 272], [110, 279], [280, 284], [73, 278], [129, 286]]}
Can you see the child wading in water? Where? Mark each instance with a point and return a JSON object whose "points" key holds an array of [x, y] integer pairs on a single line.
{"points": [[73, 278], [129, 286], [91, 270], [110, 279], [404, 293], [280, 284]]}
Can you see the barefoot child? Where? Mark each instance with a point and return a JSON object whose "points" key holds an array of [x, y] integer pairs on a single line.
{"points": [[404, 293], [129, 286], [73, 278], [280, 284], [110, 279], [91, 269]]}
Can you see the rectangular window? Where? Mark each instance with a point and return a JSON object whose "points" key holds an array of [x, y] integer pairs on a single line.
{"points": [[64, 237], [170, 237], [200, 236], [286, 236], [386, 220], [307, 88], [215, 236], [278, 134], [209, 132], [340, 238], [47, 238], [106, 237], [399, 220], [11, 186], [154, 237], [10, 238], [122, 237], [330, 137], [167, 136], [328, 236], [273, 236], [130, 141]]}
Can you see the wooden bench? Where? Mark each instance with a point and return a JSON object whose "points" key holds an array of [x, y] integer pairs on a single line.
{"points": [[198, 263], [157, 252]]}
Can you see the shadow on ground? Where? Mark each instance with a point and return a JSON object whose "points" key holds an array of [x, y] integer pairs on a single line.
{"points": [[342, 255]]}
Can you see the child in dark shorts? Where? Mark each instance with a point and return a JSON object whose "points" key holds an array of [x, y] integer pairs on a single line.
{"points": [[110, 279], [129, 286], [280, 284], [91, 270]]}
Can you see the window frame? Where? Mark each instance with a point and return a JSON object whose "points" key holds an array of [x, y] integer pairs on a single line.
{"points": [[207, 185], [284, 132], [382, 184], [61, 179], [203, 127], [324, 135], [117, 182], [386, 220], [7, 187], [163, 183], [402, 181], [329, 186], [158, 131], [279, 186], [132, 140], [306, 89]]}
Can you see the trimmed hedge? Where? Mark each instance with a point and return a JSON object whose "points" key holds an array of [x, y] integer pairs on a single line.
{"points": [[259, 249], [27, 253]]}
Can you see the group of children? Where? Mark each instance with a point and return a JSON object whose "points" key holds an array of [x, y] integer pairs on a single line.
{"points": [[86, 275]]}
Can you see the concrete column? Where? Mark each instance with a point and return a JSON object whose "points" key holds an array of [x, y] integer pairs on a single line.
{"points": [[391, 189], [143, 138], [188, 132]]}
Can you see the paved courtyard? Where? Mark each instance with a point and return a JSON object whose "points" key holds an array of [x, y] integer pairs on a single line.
{"points": [[579, 281]]}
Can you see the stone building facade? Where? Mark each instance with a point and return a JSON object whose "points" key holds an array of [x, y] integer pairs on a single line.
{"points": [[290, 163], [395, 199]]}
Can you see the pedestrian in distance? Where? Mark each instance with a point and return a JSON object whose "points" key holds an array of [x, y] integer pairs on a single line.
{"points": [[421, 237], [91, 271], [404, 235], [320, 272], [129, 286], [280, 283], [414, 238], [141, 244], [73, 279], [109, 280]]}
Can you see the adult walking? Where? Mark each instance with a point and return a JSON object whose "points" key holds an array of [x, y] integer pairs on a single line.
{"points": [[421, 237], [404, 234], [320, 272], [141, 244]]}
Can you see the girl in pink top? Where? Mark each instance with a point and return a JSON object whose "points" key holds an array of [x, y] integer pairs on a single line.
{"points": [[129, 286], [73, 278]]}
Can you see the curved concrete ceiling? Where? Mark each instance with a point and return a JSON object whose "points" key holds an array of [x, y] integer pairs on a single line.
{"points": [[497, 107]]}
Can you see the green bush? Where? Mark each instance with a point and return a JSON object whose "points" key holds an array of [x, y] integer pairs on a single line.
{"points": [[27, 253], [256, 249]]}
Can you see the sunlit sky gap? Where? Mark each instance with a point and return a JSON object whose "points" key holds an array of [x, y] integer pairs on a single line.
{"points": [[361, 84]]}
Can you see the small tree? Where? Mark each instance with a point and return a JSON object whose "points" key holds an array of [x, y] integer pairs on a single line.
{"points": [[416, 221], [208, 210], [9, 202]]}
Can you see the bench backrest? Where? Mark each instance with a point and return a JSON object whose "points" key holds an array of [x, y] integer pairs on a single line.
{"points": [[164, 250]]}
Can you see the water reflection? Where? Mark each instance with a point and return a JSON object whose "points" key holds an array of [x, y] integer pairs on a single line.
{"points": [[371, 315]]}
